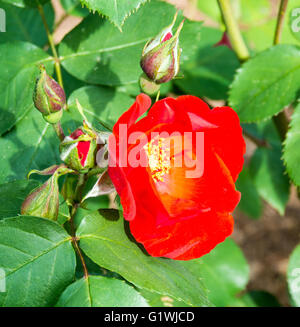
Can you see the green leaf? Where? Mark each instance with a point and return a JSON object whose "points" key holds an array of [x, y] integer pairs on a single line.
{"points": [[211, 71], [250, 202], [259, 299], [19, 68], [268, 173], [266, 83], [98, 291], [97, 53], [32, 144], [101, 105], [293, 276], [38, 260], [25, 3], [211, 9], [104, 240], [74, 8], [224, 272], [115, 10], [159, 300], [25, 24], [291, 154], [13, 194]]}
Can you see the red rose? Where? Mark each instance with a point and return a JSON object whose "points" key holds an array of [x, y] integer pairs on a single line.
{"points": [[173, 215]]}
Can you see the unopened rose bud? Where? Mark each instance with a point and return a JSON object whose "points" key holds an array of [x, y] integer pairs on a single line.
{"points": [[161, 55], [78, 151], [48, 97], [43, 201]]}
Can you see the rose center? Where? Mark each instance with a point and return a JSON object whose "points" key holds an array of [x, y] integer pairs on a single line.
{"points": [[158, 153]]}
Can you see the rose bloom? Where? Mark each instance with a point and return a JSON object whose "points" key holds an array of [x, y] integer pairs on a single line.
{"points": [[173, 211]]}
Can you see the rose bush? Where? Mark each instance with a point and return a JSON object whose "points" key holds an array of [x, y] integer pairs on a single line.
{"points": [[170, 214]]}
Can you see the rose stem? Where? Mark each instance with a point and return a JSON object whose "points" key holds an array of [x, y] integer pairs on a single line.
{"points": [[57, 126], [78, 196], [233, 30], [280, 121], [242, 52]]}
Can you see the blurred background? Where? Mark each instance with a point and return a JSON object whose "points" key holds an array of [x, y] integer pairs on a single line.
{"points": [[267, 241]]}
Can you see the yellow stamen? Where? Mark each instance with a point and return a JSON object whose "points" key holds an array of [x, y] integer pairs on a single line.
{"points": [[158, 153]]}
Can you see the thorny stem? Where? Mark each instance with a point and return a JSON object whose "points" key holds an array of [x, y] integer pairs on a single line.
{"points": [[280, 121], [233, 30], [51, 43]]}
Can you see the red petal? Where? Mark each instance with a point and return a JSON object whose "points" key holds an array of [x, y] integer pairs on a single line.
{"points": [[222, 128], [183, 239], [140, 106], [83, 148], [167, 37]]}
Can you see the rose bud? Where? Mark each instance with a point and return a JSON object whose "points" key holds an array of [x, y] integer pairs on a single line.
{"points": [[179, 209], [161, 55], [48, 97], [78, 151], [43, 201]]}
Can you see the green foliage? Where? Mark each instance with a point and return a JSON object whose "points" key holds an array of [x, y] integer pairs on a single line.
{"points": [[103, 239], [266, 83], [224, 272], [18, 66], [12, 195], [74, 8], [291, 153], [98, 291], [205, 74], [116, 11], [100, 63], [25, 24], [250, 202], [269, 176], [32, 144], [89, 55], [38, 260], [293, 276], [25, 3], [101, 105]]}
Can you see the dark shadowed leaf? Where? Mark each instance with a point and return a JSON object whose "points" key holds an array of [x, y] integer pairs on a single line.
{"points": [[13, 194], [19, 68]]}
